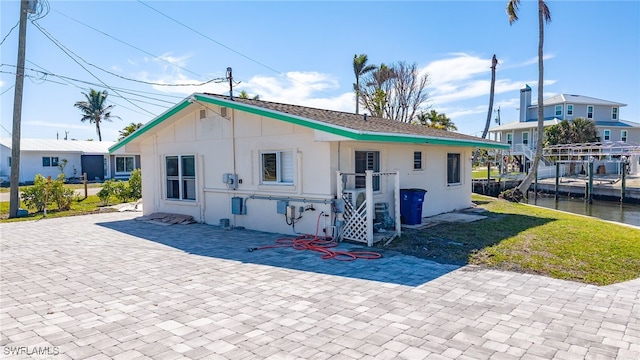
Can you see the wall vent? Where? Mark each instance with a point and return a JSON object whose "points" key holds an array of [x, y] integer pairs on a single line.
{"points": [[223, 111], [203, 114]]}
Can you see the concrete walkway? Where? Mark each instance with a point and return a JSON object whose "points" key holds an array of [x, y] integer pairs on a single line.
{"points": [[109, 287]]}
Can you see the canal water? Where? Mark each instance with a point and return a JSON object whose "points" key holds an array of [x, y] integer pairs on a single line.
{"points": [[606, 210]]}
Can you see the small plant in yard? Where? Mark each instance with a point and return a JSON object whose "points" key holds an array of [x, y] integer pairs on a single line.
{"points": [[135, 184], [121, 191], [35, 196], [62, 196], [108, 190]]}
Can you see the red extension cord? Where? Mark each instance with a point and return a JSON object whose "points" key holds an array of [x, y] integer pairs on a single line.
{"points": [[321, 244]]}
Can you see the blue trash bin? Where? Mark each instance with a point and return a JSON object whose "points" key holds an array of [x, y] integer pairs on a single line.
{"points": [[411, 206]]}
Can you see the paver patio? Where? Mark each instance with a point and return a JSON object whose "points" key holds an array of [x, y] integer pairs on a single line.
{"points": [[109, 287]]}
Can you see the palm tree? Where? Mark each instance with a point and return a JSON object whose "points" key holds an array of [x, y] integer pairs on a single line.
{"points": [[360, 68], [544, 16], [94, 109], [584, 131], [437, 121], [128, 130], [245, 95], [494, 63]]}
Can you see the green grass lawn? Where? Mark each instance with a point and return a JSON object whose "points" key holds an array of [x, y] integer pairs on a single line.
{"points": [[481, 173], [72, 186], [81, 206], [529, 239]]}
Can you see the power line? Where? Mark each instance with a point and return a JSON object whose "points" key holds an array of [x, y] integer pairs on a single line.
{"points": [[9, 33], [124, 77], [113, 95], [209, 38], [132, 46], [235, 51], [62, 47], [9, 88]]}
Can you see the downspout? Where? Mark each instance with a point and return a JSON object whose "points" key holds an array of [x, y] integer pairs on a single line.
{"points": [[233, 149], [299, 171], [158, 161], [203, 202]]}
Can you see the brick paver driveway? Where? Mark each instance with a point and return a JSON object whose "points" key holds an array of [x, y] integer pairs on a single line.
{"points": [[108, 287]]}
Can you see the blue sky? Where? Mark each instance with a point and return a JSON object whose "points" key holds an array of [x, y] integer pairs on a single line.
{"points": [[301, 52]]}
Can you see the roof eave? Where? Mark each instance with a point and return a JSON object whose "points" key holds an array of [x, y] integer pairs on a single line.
{"points": [[310, 123]]}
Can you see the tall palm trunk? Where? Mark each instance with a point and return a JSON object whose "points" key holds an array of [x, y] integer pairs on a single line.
{"points": [[533, 172], [494, 63]]}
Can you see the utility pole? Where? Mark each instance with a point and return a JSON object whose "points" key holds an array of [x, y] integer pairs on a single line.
{"points": [[14, 202], [230, 78]]}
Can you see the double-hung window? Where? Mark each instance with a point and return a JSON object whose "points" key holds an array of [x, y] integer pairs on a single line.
{"points": [[607, 135], [623, 135], [417, 160], [614, 113], [181, 177], [590, 112], [367, 160], [277, 167], [124, 164], [558, 110], [525, 138], [453, 169], [509, 138], [570, 110]]}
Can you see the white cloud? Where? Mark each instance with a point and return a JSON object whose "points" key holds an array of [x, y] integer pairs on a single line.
{"points": [[534, 60], [301, 88], [458, 68]]}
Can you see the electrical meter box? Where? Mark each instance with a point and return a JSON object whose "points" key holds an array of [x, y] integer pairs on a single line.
{"points": [[282, 206], [237, 206], [231, 180]]}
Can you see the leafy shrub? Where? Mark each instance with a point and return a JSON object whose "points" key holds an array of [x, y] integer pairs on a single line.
{"points": [[135, 184], [121, 191], [62, 196], [35, 196], [106, 192]]}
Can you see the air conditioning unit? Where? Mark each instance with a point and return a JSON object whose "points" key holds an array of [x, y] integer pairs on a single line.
{"points": [[354, 196]]}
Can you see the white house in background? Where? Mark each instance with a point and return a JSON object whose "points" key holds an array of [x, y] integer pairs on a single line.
{"points": [[257, 162], [42, 156], [521, 134]]}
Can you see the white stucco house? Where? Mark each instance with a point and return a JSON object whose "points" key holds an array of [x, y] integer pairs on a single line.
{"points": [[42, 156], [613, 131], [276, 167]]}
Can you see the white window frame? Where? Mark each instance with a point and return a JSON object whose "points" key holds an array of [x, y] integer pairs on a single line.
{"points": [[453, 182], [510, 138], [418, 161], [279, 170], [606, 135], [623, 135], [125, 172], [569, 109], [372, 162], [52, 161], [181, 178], [558, 110], [525, 141], [614, 113], [590, 113]]}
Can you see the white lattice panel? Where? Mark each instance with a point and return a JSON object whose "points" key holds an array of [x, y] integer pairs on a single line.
{"points": [[355, 226]]}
